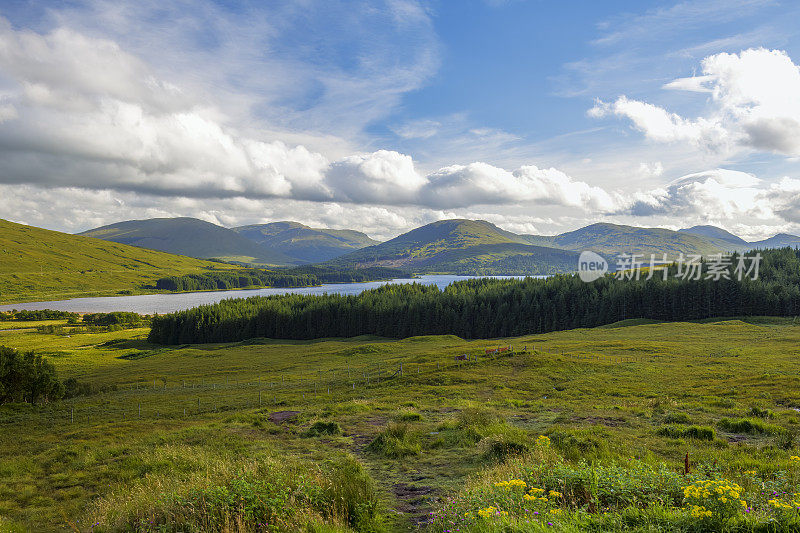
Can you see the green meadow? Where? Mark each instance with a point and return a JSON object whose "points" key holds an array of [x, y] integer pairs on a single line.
{"points": [[372, 434]]}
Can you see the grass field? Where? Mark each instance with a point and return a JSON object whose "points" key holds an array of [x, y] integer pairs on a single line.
{"points": [[39, 264], [335, 420]]}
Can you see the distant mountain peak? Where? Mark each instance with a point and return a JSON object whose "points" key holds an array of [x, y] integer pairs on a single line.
{"points": [[304, 243], [714, 232]]}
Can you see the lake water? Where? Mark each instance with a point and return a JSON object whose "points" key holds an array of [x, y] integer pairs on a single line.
{"points": [[147, 304]]}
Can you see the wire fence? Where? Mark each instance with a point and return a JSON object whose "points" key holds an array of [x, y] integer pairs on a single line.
{"points": [[164, 399]]}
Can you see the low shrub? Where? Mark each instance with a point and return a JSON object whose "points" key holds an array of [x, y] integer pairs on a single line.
{"points": [[117, 318], [43, 314], [50, 329], [74, 388], [321, 427]]}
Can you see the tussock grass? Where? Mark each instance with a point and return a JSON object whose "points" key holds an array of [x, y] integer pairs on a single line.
{"points": [[749, 426], [221, 493], [396, 441], [677, 418], [322, 427], [690, 432]]}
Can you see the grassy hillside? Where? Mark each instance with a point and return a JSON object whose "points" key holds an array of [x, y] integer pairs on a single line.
{"points": [[778, 241], [462, 247], [479, 247], [181, 438], [191, 237], [614, 239], [38, 264], [304, 244]]}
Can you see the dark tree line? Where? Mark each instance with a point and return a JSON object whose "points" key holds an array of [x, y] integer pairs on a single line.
{"points": [[116, 318], [489, 308], [293, 277], [44, 314]]}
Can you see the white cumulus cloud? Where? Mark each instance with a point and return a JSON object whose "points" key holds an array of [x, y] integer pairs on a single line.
{"points": [[715, 194], [753, 105]]}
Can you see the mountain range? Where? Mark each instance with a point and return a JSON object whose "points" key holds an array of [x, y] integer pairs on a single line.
{"points": [[457, 246], [278, 243]]}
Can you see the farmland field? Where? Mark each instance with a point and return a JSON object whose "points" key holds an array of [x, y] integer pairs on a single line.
{"points": [[403, 436]]}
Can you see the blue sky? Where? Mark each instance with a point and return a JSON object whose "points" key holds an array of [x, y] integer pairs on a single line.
{"points": [[383, 115]]}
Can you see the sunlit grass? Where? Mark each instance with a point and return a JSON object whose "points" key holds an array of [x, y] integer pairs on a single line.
{"points": [[601, 395]]}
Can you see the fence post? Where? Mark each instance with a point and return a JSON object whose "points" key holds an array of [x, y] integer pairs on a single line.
{"points": [[72, 415], [140, 410]]}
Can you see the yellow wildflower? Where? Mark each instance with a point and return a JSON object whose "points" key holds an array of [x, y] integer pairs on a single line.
{"points": [[699, 511], [487, 512]]}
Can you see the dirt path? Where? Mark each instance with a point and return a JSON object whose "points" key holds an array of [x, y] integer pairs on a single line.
{"points": [[411, 500]]}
